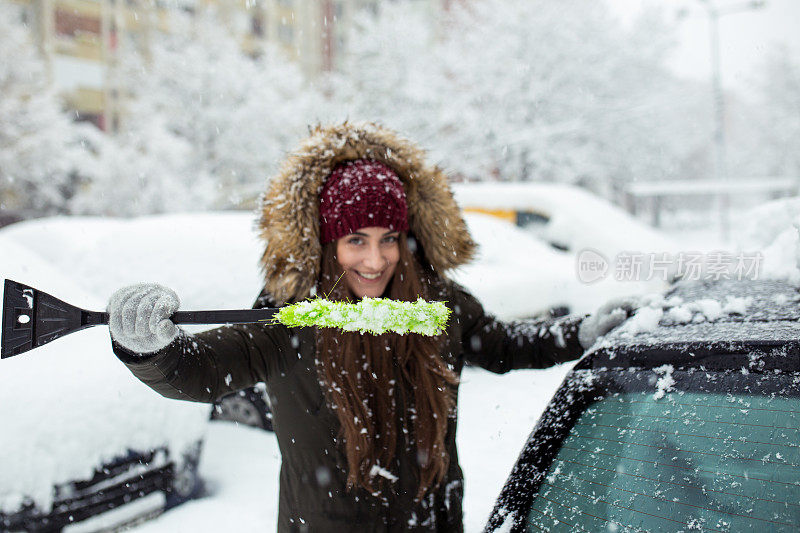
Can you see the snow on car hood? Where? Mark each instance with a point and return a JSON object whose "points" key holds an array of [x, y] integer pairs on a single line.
{"points": [[192, 253]]}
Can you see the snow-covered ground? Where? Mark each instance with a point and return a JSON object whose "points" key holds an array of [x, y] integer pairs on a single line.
{"points": [[211, 261]]}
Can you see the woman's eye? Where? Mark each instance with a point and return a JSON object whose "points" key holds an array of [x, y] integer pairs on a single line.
{"points": [[391, 239], [355, 240]]}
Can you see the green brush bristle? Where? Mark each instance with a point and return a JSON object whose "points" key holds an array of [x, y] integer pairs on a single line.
{"points": [[368, 315]]}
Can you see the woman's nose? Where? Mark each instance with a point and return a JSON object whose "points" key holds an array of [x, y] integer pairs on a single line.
{"points": [[374, 258]]}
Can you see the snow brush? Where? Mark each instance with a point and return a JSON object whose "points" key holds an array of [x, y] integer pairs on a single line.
{"points": [[32, 318]]}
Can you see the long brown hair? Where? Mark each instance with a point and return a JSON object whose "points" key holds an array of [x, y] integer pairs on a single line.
{"points": [[383, 385]]}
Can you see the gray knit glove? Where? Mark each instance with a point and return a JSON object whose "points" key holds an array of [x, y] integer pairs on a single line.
{"points": [[138, 316], [607, 317]]}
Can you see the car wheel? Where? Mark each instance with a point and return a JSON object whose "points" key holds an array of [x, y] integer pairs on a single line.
{"points": [[245, 407], [186, 483]]}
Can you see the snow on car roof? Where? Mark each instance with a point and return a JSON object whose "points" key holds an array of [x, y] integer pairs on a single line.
{"points": [[766, 299], [710, 317], [723, 331]]}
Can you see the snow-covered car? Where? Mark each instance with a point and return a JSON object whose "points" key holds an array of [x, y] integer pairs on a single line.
{"points": [[84, 444], [517, 275], [531, 261], [566, 217], [190, 253], [687, 417]]}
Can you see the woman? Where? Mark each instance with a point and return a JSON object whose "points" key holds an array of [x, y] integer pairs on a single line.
{"points": [[366, 424]]}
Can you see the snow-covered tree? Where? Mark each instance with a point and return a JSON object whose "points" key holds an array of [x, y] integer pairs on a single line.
{"points": [[211, 122], [149, 171], [526, 89], [780, 108], [40, 147], [389, 74]]}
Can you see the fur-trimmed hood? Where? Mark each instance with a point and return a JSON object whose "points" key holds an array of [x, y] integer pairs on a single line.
{"points": [[289, 222]]}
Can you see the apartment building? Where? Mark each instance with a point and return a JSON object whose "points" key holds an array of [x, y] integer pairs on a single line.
{"points": [[314, 32], [80, 39]]}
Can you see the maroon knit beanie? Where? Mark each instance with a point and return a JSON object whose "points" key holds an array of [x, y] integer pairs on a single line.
{"points": [[360, 194]]}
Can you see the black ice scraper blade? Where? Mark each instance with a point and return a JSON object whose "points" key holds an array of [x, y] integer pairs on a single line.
{"points": [[32, 318]]}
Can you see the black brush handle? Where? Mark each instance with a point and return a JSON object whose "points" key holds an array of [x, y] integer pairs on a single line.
{"points": [[224, 316], [220, 316]]}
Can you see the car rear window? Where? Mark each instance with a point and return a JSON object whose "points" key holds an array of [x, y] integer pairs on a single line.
{"points": [[656, 450], [688, 461]]}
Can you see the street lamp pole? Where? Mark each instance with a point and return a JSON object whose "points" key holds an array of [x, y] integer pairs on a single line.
{"points": [[720, 158], [720, 167]]}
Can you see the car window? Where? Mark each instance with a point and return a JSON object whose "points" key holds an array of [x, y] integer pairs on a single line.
{"points": [[705, 461], [662, 449]]}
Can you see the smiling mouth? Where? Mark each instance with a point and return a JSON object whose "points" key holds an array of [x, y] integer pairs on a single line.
{"points": [[369, 276]]}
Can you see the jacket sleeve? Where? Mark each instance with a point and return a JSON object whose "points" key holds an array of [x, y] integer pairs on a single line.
{"points": [[206, 366], [501, 346]]}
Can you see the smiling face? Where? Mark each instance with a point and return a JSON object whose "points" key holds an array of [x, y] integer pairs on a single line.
{"points": [[369, 258]]}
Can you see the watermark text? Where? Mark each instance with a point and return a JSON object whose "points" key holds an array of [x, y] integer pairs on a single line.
{"points": [[593, 266]]}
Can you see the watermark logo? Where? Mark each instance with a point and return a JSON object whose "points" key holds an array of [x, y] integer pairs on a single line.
{"points": [[592, 266]]}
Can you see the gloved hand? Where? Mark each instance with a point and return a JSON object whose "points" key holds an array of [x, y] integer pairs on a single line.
{"points": [[138, 316], [607, 317]]}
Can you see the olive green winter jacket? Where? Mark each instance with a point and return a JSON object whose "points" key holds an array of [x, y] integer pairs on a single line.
{"points": [[313, 494]]}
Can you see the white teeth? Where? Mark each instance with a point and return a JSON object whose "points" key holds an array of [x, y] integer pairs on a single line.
{"points": [[369, 276]]}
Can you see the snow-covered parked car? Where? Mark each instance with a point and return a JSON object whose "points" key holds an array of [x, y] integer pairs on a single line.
{"points": [[190, 253], [533, 239], [83, 443], [687, 417], [566, 217]]}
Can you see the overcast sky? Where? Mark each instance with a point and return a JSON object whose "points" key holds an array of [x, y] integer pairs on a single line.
{"points": [[745, 37]]}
